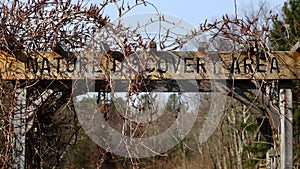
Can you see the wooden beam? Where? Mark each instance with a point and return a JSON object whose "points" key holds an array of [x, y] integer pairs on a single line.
{"points": [[286, 129], [164, 65], [19, 123]]}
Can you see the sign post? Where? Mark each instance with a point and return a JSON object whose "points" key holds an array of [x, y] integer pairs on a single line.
{"points": [[286, 129], [19, 123]]}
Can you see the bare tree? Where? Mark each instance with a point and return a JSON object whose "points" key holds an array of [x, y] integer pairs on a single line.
{"points": [[69, 29]]}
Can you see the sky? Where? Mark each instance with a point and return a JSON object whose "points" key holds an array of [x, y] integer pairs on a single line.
{"points": [[196, 11]]}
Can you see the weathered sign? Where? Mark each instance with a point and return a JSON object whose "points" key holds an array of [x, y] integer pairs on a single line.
{"points": [[156, 65]]}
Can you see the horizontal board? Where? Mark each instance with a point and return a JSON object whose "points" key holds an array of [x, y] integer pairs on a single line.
{"points": [[157, 65]]}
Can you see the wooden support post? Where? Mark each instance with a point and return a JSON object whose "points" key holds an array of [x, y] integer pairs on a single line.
{"points": [[286, 129], [19, 123]]}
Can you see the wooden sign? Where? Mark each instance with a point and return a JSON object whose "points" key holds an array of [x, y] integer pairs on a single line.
{"points": [[154, 66]]}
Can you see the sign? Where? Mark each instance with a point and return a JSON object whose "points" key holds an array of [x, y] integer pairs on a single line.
{"points": [[155, 65]]}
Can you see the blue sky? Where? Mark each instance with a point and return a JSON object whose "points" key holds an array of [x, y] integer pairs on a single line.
{"points": [[196, 11]]}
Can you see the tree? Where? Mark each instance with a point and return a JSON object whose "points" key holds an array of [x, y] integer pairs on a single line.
{"points": [[29, 29], [286, 30], [250, 34], [67, 28], [284, 35]]}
